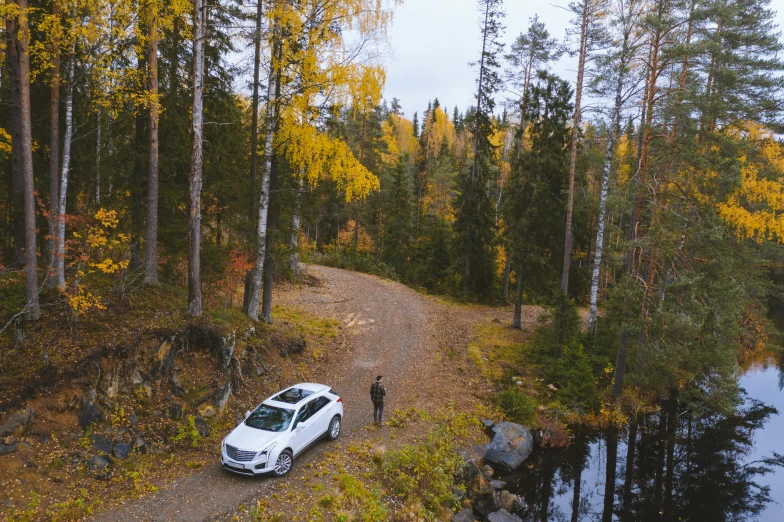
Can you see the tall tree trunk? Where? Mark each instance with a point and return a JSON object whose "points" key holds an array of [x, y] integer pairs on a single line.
{"points": [[33, 312], [135, 209], [254, 116], [98, 156], [517, 320], [609, 477], [507, 274], [17, 148], [294, 244], [195, 181], [355, 240], [631, 446], [269, 264], [608, 154], [54, 152], [151, 250], [578, 93], [66, 167], [254, 288]]}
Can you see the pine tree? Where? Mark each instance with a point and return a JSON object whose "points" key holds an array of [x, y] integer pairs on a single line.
{"points": [[399, 217], [474, 220]]}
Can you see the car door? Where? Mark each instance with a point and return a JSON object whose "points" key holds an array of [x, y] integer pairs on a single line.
{"points": [[302, 428], [320, 416]]}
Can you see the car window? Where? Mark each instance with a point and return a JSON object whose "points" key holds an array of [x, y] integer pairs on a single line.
{"points": [[303, 415], [318, 404], [270, 418], [292, 396]]}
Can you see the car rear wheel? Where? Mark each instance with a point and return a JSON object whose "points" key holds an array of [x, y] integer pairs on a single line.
{"points": [[284, 463], [334, 428]]}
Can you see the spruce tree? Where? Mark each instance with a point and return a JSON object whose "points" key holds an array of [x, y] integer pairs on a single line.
{"points": [[399, 214], [475, 216]]}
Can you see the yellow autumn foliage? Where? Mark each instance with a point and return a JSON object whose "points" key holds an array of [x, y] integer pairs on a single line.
{"points": [[399, 139]]}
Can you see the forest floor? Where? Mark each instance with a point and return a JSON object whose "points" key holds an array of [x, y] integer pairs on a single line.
{"points": [[419, 344]]}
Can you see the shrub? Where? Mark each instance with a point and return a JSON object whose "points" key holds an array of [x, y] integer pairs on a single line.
{"points": [[349, 260], [516, 405]]}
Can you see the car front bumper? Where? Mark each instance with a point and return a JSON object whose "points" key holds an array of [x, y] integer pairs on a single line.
{"points": [[256, 466]]}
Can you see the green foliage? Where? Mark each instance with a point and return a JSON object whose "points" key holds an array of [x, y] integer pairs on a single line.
{"points": [[516, 405], [575, 380], [188, 432], [349, 260]]}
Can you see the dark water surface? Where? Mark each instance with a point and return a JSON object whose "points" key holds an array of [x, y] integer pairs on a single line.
{"points": [[681, 466]]}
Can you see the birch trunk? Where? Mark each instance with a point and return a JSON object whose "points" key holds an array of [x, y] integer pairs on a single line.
{"points": [[54, 152], [261, 228], [294, 244], [254, 117], [578, 93], [33, 312], [151, 250], [194, 224], [611, 138], [59, 261]]}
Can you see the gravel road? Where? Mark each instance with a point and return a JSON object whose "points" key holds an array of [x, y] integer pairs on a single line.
{"points": [[388, 328]]}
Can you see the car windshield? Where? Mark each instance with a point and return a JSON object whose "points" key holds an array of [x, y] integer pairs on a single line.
{"points": [[292, 395], [270, 418]]}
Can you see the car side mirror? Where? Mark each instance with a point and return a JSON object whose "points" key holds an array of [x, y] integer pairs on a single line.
{"points": [[247, 414], [299, 425]]}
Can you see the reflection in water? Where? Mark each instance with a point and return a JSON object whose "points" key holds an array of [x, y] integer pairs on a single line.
{"points": [[675, 465]]}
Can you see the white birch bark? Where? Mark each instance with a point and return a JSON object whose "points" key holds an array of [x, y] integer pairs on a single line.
{"points": [[66, 166], [261, 228], [294, 259]]}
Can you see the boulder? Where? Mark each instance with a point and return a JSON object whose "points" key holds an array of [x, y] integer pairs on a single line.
{"points": [[163, 359], [121, 450], [291, 346], [465, 515], [201, 425], [98, 463], [17, 423], [508, 501], [228, 344], [487, 425], [89, 413], [475, 454], [215, 401], [503, 515], [497, 484], [8, 445], [511, 445], [101, 443], [477, 484]]}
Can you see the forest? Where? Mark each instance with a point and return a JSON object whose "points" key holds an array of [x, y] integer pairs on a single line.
{"points": [[211, 147]]}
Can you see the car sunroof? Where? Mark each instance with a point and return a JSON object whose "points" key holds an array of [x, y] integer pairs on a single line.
{"points": [[292, 396]]}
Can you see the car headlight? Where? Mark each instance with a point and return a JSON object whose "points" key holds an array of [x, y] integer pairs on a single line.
{"points": [[266, 451]]}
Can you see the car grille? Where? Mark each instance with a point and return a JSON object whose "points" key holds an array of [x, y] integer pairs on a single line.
{"points": [[238, 454]]}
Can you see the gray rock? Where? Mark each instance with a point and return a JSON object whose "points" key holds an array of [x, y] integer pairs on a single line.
{"points": [[101, 443], [89, 413], [17, 423], [215, 401], [458, 492], [163, 359], [121, 450], [475, 454], [45, 438], [228, 344], [498, 484], [292, 346], [465, 515], [201, 425], [511, 445], [177, 385], [487, 425], [508, 501], [139, 444], [98, 463], [8, 448], [260, 370], [503, 515], [134, 419]]}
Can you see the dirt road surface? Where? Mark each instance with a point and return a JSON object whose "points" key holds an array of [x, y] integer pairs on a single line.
{"points": [[388, 329]]}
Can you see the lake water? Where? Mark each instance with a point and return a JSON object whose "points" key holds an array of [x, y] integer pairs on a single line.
{"points": [[681, 465]]}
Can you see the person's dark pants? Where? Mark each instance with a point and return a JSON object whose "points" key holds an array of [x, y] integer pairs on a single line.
{"points": [[378, 412]]}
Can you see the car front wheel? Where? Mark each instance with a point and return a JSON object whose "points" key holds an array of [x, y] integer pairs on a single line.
{"points": [[284, 463], [334, 428]]}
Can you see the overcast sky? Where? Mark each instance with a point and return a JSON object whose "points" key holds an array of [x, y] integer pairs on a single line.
{"points": [[432, 41]]}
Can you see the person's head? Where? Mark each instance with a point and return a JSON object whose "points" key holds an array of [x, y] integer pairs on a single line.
{"points": [[378, 379]]}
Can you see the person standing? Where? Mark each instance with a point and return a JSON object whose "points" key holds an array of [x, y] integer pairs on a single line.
{"points": [[377, 394]]}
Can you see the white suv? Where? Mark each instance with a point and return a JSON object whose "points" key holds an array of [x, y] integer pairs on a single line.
{"points": [[281, 428]]}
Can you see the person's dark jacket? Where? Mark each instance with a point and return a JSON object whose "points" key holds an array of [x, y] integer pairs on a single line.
{"points": [[377, 393]]}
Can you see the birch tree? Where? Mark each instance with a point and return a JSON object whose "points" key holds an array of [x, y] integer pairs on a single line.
{"points": [[151, 249]]}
